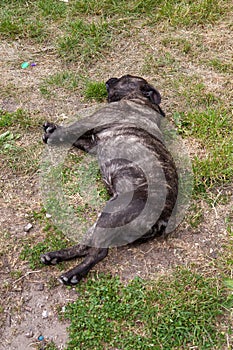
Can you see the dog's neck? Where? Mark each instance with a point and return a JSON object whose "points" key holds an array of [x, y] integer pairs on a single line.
{"points": [[144, 102]]}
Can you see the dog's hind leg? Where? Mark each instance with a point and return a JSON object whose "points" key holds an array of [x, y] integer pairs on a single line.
{"points": [[53, 258], [74, 275]]}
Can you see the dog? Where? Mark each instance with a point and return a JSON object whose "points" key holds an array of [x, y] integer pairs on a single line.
{"points": [[136, 167]]}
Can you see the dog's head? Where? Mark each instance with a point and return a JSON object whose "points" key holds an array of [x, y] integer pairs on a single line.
{"points": [[128, 87]]}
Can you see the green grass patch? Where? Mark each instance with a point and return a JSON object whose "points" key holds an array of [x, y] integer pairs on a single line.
{"points": [[95, 91], [66, 80], [188, 13], [18, 156], [21, 20], [221, 66], [84, 41], [52, 10], [70, 81], [213, 130], [180, 311], [20, 120], [54, 240]]}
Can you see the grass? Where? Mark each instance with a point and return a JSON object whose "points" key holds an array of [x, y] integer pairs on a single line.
{"points": [[84, 41], [181, 45], [175, 312], [20, 119], [212, 129], [72, 82], [54, 240], [95, 91], [17, 128], [221, 66]]}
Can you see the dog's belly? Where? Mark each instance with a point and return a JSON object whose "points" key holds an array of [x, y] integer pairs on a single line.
{"points": [[140, 174]]}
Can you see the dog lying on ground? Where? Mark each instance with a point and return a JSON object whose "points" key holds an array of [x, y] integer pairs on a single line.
{"points": [[137, 169]]}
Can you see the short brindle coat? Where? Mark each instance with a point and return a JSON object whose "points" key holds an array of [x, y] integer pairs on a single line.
{"points": [[128, 95]]}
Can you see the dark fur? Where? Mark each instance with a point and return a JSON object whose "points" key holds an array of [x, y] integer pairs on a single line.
{"points": [[126, 96]]}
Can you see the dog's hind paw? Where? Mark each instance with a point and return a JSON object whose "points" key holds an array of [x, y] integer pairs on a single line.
{"points": [[69, 281]]}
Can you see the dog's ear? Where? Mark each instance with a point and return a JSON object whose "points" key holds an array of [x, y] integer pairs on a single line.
{"points": [[150, 92], [110, 82]]}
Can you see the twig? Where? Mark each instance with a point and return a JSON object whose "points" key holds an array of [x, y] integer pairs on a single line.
{"points": [[26, 274]]}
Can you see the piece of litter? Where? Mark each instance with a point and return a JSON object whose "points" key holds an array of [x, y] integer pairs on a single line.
{"points": [[25, 65], [33, 64], [45, 314], [28, 227], [48, 216], [63, 309], [40, 338]]}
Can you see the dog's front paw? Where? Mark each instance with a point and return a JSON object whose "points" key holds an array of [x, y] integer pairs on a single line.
{"points": [[49, 128], [50, 259]]}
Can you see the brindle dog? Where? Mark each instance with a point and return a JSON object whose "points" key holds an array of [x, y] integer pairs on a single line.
{"points": [[132, 119]]}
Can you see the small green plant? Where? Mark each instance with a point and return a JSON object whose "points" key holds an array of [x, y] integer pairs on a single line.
{"points": [[7, 142], [95, 91]]}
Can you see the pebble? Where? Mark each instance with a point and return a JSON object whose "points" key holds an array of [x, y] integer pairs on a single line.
{"points": [[40, 287], [45, 314], [28, 227], [8, 320], [29, 334]]}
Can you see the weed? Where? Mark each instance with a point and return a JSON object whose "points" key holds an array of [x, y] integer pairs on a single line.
{"points": [[7, 142], [95, 91]]}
